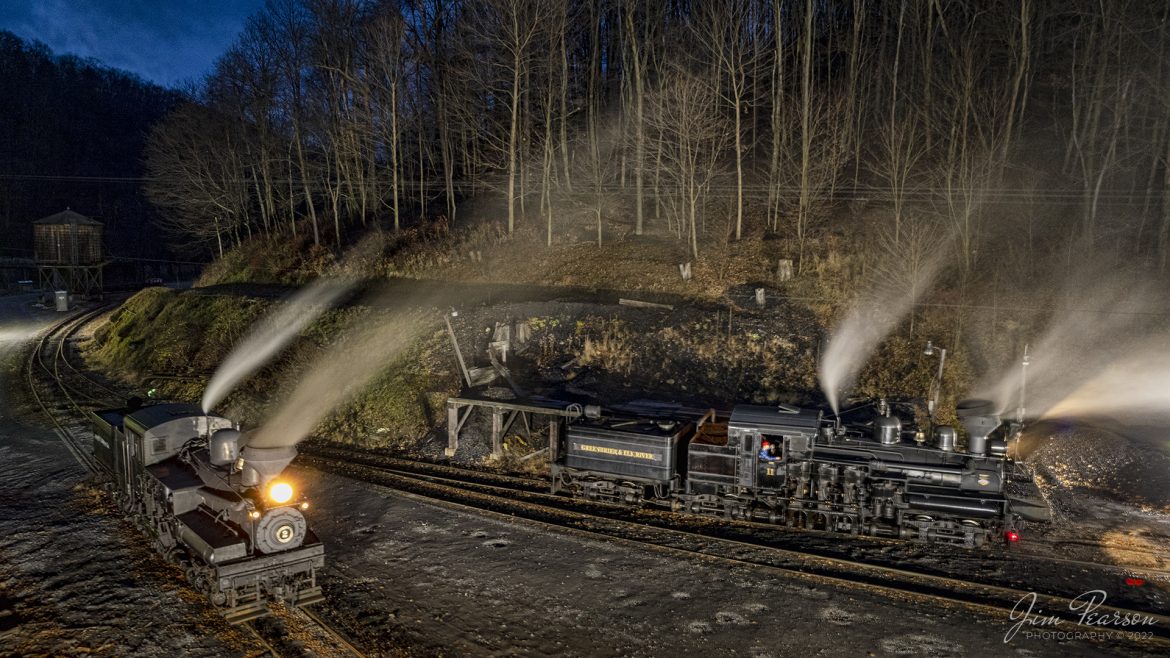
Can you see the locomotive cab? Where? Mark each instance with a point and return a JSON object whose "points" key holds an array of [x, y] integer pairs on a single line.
{"points": [[759, 443], [771, 437]]}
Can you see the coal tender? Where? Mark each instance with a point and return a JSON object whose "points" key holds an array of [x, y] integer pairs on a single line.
{"points": [[212, 503], [876, 475]]}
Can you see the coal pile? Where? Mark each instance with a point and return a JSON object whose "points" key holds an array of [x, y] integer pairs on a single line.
{"points": [[1085, 457]]}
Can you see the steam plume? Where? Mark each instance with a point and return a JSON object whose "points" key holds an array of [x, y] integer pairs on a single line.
{"points": [[338, 375], [887, 301], [270, 335], [1103, 350]]}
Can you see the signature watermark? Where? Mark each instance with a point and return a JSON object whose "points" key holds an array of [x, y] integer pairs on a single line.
{"points": [[1088, 621]]}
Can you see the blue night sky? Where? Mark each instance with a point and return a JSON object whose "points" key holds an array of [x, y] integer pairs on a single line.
{"points": [[166, 42]]}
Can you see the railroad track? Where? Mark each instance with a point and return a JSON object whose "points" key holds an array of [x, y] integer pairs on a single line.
{"points": [[339, 637], [1136, 567], [263, 641], [299, 632], [528, 499], [829, 541], [46, 358], [546, 510]]}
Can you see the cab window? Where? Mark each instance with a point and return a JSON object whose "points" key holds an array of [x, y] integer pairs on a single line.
{"points": [[775, 440]]}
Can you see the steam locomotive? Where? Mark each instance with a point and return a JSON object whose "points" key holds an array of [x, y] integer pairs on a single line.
{"points": [[212, 503], [877, 474]]}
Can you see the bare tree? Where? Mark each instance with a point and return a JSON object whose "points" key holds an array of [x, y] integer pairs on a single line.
{"points": [[384, 34], [970, 116], [637, 41], [197, 175], [728, 29], [690, 136], [284, 28]]}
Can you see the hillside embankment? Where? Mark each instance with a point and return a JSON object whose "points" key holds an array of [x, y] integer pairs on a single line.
{"points": [[571, 342]]}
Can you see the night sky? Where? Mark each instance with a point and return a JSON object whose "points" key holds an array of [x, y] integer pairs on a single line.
{"points": [[167, 42]]}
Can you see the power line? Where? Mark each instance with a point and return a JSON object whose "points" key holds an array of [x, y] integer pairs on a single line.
{"points": [[158, 260], [839, 193]]}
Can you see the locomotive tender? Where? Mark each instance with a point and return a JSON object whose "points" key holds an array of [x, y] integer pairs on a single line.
{"points": [[212, 503], [791, 466]]}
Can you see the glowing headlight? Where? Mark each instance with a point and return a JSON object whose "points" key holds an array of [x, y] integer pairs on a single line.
{"points": [[280, 492]]}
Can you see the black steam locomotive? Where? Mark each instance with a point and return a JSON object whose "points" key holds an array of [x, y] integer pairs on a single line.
{"points": [[212, 504], [875, 475]]}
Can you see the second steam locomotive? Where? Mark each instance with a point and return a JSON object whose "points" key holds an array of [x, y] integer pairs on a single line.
{"points": [[877, 476]]}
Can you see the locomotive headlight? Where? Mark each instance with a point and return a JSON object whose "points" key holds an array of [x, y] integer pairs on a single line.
{"points": [[280, 492]]}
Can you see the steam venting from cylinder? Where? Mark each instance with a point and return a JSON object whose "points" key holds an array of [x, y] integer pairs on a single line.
{"points": [[344, 369], [885, 302], [271, 334], [980, 420]]}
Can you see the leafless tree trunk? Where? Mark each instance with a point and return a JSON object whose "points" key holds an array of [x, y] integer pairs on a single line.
{"points": [[637, 61], [727, 28]]}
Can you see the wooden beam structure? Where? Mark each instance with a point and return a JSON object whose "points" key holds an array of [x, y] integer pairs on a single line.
{"points": [[81, 279], [504, 415]]}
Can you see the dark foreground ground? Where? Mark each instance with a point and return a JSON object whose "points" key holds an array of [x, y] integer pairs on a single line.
{"points": [[421, 578]]}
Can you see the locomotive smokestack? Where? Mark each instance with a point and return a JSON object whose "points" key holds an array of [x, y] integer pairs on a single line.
{"points": [[979, 419], [261, 465]]}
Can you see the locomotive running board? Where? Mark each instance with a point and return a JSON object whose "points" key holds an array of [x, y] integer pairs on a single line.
{"points": [[246, 612]]}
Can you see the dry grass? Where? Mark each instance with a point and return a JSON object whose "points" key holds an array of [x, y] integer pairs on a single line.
{"points": [[486, 253], [608, 346]]}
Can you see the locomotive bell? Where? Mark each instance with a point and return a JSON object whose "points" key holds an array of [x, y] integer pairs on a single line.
{"points": [[980, 420], [224, 447], [261, 465]]}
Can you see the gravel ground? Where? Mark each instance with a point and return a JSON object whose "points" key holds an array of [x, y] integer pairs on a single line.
{"points": [[452, 582], [1130, 466]]}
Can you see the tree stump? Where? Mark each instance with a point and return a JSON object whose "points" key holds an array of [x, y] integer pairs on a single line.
{"points": [[784, 270]]}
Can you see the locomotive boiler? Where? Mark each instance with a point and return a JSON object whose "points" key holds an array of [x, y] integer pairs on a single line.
{"points": [[878, 475], [219, 507]]}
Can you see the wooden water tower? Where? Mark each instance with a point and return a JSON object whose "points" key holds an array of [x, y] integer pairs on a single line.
{"points": [[68, 253]]}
